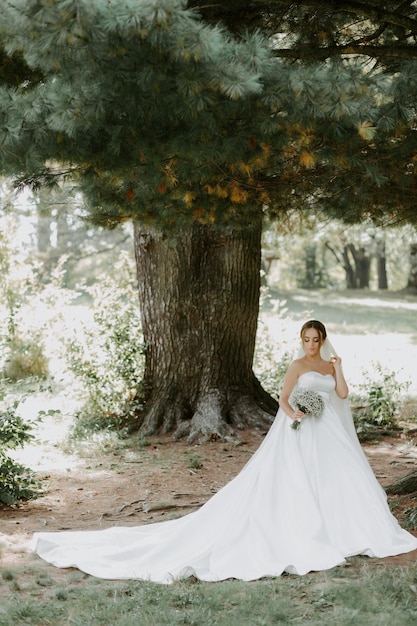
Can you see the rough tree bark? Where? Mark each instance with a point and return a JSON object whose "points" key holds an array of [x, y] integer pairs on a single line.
{"points": [[199, 296]]}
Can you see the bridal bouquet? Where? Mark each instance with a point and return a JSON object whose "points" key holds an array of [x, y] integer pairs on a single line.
{"points": [[307, 401]]}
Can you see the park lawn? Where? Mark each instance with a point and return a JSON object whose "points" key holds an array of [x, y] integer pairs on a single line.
{"points": [[362, 593]]}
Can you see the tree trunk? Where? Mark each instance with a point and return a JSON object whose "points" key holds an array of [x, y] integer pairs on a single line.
{"points": [[310, 267], [381, 262], [412, 276], [363, 268], [349, 270], [199, 295], [43, 232], [358, 274]]}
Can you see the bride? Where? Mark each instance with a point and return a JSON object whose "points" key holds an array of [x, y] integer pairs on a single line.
{"points": [[305, 501]]}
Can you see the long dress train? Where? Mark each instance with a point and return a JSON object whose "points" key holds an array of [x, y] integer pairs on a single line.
{"points": [[305, 501]]}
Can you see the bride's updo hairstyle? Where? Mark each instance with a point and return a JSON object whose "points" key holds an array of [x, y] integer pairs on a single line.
{"points": [[321, 329]]}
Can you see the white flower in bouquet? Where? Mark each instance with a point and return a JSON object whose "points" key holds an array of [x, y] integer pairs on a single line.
{"points": [[309, 402]]}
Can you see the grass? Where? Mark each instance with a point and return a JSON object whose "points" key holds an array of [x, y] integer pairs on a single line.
{"points": [[352, 311], [363, 594], [194, 460]]}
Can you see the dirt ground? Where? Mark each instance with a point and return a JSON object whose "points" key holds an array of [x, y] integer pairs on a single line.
{"points": [[163, 479]]}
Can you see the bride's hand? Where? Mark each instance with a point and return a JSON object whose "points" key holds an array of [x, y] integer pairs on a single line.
{"points": [[336, 360], [298, 415]]}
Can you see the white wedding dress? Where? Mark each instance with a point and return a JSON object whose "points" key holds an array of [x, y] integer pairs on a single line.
{"points": [[305, 501]]}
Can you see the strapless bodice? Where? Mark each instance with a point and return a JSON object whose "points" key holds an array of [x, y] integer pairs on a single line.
{"points": [[323, 384]]}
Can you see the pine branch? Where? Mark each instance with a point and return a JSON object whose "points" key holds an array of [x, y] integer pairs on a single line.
{"points": [[352, 49], [370, 10], [47, 177], [333, 251]]}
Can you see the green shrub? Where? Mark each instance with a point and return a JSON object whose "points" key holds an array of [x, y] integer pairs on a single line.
{"points": [[379, 401], [25, 359], [107, 354], [17, 482]]}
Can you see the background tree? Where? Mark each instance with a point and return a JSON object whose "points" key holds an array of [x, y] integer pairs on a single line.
{"points": [[164, 118], [313, 245], [412, 276], [65, 240]]}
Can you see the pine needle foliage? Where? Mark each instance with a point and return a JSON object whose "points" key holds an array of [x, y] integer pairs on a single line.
{"points": [[167, 117]]}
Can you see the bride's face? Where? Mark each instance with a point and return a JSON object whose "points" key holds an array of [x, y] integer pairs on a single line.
{"points": [[311, 342]]}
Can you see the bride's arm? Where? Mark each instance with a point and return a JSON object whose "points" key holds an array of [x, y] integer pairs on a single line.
{"points": [[341, 389], [289, 382]]}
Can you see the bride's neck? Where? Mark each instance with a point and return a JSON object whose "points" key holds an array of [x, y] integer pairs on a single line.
{"points": [[312, 359]]}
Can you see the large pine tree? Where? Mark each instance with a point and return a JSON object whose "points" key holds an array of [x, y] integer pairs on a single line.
{"points": [[194, 130]]}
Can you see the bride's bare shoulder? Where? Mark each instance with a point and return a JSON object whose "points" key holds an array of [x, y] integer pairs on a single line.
{"points": [[297, 366]]}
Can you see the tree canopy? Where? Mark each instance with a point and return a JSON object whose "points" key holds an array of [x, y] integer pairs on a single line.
{"points": [[315, 30], [175, 114]]}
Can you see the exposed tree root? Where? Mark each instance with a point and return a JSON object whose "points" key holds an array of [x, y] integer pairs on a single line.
{"points": [[215, 415], [404, 485]]}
